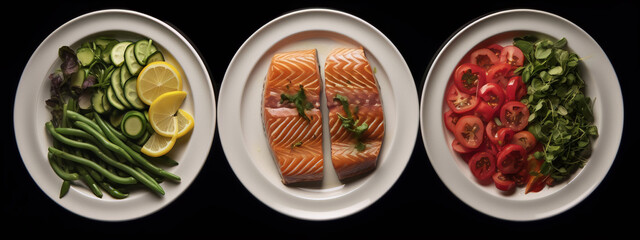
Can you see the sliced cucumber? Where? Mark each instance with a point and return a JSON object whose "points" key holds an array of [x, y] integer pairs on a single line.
{"points": [[103, 42], [106, 52], [115, 118], [96, 101], [130, 60], [85, 56], [155, 57], [131, 94], [117, 53], [105, 104], [117, 88], [143, 49], [133, 124], [124, 74], [113, 100], [142, 140]]}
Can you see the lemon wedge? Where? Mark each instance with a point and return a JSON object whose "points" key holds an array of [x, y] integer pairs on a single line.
{"points": [[157, 78], [163, 110], [158, 145], [185, 122]]}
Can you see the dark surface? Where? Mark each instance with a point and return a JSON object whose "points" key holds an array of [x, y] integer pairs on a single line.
{"points": [[419, 204]]}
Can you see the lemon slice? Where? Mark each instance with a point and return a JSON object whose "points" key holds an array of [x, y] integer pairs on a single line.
{"points": [[163, 109], [185, 122], [157, 78], [158, 145]]}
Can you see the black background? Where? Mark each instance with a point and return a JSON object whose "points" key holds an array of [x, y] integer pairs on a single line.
{"points": [[216, 204]]}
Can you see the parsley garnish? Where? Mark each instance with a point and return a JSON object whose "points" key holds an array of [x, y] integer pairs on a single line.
{"points": [[561, 116], [300, 100], [350, 123]]}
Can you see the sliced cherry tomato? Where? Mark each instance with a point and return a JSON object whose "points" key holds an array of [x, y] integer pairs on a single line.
{"points": [[459, 148], [500, 73], [482, 165], [485, 111], [459, 101], [512, 55], [525, 139], [522, 177], [492, 131], [468, 77], [496, 49], [469, 131], [516, 89], [514, 115], [488, 146], [484, 58], [503, 182], [511, 159], [505, 135]]}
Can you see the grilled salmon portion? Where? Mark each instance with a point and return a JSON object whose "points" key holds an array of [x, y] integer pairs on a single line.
{"points": [[356, 117], [291, 115]]}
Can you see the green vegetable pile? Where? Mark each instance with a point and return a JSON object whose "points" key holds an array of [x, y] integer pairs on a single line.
{"points": [[561, 116]]}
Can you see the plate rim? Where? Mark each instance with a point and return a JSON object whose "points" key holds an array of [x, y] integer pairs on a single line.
{"points": [[22, 137], [232, 156], [441, 169]]}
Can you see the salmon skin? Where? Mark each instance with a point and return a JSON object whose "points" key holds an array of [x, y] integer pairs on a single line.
{"points": [[354, 104], [292, 117]]}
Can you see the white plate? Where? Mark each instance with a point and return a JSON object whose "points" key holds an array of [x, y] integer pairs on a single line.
{"points": [[602, 85], [244, 140], [30, 112]]}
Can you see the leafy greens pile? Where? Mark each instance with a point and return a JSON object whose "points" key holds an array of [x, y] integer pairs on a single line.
{"points": [[561, 116]]}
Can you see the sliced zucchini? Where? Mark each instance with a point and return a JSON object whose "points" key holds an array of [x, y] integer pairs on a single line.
{"points": [[117, 88], [103, 42], [117, 53], [155, 57], [142, 140], [85, 56], [96, 101], [115, 118], [131, 94], [124, 74], [133, 124], [143, 49], [106, 52], [105, 104], [130, 60], [113, 100]]}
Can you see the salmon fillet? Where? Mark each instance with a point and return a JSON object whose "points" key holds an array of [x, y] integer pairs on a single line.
{"points": [[291, 115], [348, 76]]}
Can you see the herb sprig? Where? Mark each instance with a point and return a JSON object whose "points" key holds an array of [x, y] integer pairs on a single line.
{"points": [[300, 100], [350, 123], [561, 115]]}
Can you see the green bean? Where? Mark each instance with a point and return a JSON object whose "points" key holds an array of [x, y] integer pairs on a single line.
{"points": [[64, 189], [139, 158], [104, 141], [115, 193], [64, 175], [91, 183], [79, 117], [92, 165], [121, 166], [115, 132]]}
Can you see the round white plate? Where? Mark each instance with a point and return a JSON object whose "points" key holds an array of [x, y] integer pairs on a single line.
{"points": [[30, 112], [602, 85], [241, 129]]}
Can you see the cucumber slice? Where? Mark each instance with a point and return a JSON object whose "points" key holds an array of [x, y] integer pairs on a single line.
{"points": [[117, 88], [142, 140], [103, 42], [124, 74], [130, 60], [105, 104], [133, 124], [155, 57], [96, 101], [143, 49], [113, 100], [131, 94], [117, 53], [115, 118], [85, 56], [106, 53]]}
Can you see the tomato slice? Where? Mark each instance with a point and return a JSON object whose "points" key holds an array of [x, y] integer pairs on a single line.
{"points": [[512, 55], [484, 58], [500, 73], [511, 159], [459, 148], [459, 101], [468, 77], [482, 165], [496, 49], [522, 177], [516, 89], [505, 135], [525, 139], [469, 131], [450, 119], [514, 115], [503, 182]]}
